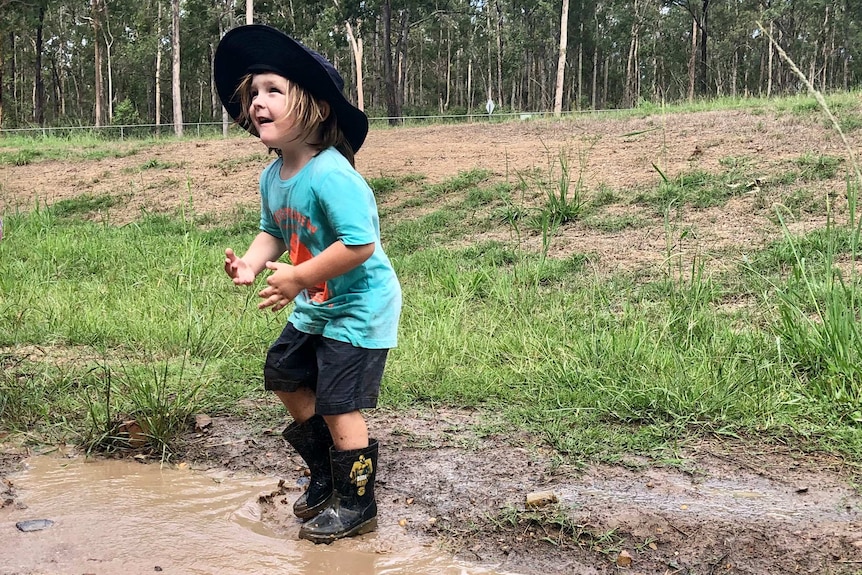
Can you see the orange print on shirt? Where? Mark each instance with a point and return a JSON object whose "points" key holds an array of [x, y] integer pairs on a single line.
{"points": [[298, 254]]}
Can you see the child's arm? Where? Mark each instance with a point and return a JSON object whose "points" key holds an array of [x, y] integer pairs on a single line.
{"points": [[263, 249], [287, 281]]}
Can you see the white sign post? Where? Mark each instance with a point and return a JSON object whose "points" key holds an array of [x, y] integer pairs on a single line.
{"points": [[490, 106]]}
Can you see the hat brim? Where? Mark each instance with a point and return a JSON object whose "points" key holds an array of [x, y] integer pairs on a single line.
{"points": [[263, 47]]}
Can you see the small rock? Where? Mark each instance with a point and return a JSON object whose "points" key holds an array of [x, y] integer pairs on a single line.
{"points": [[33, 525], [541, 498], [202, 422]]}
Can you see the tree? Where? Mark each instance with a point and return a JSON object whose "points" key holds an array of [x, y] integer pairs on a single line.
{"points": [[59, 58], [39, 83], [98, 87], [176, 79], [158, 79], [700, 19], [561, 61], [393, 103], [354, 39]]}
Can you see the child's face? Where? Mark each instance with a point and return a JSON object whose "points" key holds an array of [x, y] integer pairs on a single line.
{"points": [[268, 111]]}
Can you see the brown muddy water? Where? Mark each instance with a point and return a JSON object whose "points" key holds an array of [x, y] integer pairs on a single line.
{"points": [[121, 516]]}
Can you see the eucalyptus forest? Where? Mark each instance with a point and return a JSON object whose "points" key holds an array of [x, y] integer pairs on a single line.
{"points": [[122, 62]]}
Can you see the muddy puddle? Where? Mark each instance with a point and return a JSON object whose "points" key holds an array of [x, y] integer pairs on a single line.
{"points": [[121, 516]]}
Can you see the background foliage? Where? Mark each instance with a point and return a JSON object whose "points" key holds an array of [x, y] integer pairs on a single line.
{"points": [[447, 56]]}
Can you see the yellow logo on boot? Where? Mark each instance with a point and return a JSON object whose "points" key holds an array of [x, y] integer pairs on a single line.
{"points": [[359, 474]]}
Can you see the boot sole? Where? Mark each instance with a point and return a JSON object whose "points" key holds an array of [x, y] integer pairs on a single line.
{"points": [[361, 529]]}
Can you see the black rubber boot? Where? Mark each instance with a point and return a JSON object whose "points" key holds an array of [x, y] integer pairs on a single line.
{"points": [[312, 442], [353, 510]]}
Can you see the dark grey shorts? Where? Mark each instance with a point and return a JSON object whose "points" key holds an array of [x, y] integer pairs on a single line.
{"points": [[343, 377]]}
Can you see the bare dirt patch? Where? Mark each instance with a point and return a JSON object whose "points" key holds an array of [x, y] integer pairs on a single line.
{"points": [[718, 507], [622, 155]]}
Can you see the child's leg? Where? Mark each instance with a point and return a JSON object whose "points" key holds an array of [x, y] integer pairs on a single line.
{"points": [[348, 382], [299, 403], [348, 430], [290, 372]]}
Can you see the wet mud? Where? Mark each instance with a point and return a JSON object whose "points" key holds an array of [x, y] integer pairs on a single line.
{"points": [[451, 500], [122, 516]]}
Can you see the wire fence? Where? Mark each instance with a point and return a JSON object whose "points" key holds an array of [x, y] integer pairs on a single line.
{"points": [[213, 129]]}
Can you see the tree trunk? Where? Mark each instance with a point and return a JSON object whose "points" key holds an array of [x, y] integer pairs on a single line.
{"points": [[448, 67], [561, 60], [488, 84], [39, 87], [228, 19], [845, 57], [401, 85], [249, 11], [392, 108], [580, 93], [57, 88], [828, 30], [176, 91], [2, 67], [703, 79], [594, 96], [656, 89], [109, 43], [692, 62], [470, 84], [14, 73], [769, 60], [595, 86], [158, 79], [631, 89], [98, 87], [734, 70], [215, 104], [356, 48], [605, 68], [500, 51]]}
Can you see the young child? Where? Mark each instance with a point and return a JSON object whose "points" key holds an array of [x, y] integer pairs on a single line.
{"points": [[328, 362]]}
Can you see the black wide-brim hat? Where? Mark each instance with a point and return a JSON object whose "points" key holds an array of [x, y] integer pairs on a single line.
{"points": [[256, 48]]}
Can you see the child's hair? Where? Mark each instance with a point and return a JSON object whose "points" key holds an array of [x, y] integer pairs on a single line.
{"points": [[309, 114]]}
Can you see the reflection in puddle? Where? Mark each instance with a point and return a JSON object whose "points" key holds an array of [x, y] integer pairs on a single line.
{"points": [[124, 517]]}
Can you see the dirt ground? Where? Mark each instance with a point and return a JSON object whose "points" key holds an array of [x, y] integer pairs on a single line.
{"points": [[721, 507]]}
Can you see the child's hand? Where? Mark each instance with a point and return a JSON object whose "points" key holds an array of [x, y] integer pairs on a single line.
{"points": [[236, 268], [282, 286]]}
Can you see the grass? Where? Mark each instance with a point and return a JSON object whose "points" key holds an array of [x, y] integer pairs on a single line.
{"points": [[23, 150], [596, 367], [103, 324]]}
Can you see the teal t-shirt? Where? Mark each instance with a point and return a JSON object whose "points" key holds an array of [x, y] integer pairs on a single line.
{"points": [[326, 202]]}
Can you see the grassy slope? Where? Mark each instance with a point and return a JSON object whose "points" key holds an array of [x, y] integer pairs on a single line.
{"points": [[101, 323]]}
